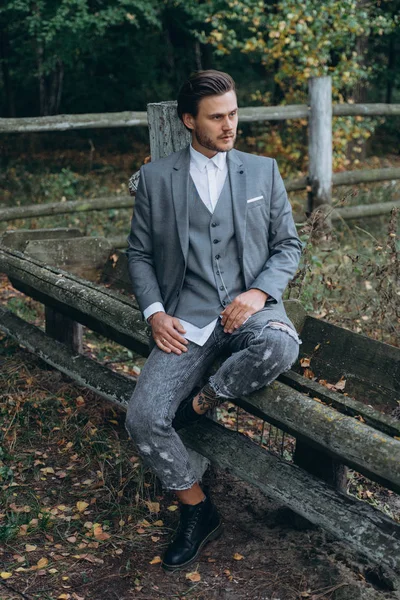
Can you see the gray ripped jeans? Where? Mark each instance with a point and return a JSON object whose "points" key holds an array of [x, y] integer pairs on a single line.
{"points": [[265, 346]]}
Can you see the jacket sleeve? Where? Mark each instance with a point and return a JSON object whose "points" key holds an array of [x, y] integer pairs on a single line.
{"points": [[140, 250], [283, 242]]}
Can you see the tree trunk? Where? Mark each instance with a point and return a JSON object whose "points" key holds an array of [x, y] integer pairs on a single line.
{"points": [[9, 106]]}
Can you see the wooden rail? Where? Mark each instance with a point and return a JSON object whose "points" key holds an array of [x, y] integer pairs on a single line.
{"points": [[115, 202], [247, 114]]}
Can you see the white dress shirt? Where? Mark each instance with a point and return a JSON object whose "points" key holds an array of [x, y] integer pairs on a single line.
{"points": [[209, 175]]}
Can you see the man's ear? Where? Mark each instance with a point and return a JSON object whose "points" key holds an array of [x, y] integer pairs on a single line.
{"points": [[188, 120]]}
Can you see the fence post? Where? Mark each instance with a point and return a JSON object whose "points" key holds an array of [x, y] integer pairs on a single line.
{"points": [[167, 132], [320, 142]]}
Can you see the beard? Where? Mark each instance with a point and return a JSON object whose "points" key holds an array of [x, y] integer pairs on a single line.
{"points": [[214, 145]]}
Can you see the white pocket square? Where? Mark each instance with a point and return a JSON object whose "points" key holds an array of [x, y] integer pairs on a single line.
{"points": [[254, 199]]}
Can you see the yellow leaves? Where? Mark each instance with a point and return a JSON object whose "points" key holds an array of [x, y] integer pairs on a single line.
{"points": [[81, 506], [172, 508], [238, 556], [30, 548], [194, 576], [153, 507], [158, 523], [99, 534], [5, 574], [47, 471], [43, 562], [155, 561]]}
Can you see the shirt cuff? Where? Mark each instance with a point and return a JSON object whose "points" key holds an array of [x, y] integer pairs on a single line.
{"points": [[153, 308]]}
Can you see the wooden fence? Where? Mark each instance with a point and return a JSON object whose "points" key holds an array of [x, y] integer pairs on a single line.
{"points": [[318, 182]]}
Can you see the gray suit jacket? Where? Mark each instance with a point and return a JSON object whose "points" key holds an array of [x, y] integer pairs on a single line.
{"points": [[268, 245]]}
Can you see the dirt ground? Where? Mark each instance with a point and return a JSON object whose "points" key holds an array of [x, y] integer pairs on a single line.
{"points": [[262, 555]]}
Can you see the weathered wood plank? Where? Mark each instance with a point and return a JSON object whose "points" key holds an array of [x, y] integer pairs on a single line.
{"points": [[344, 404], [369, 531], [349, 110], [342, 437], [167, 132], [371, 368], [84, 256], [97, 307], [63, 329], [16, 239], [355, 522], [364, 211], [247, 114], [62, 208], [67, 122]]}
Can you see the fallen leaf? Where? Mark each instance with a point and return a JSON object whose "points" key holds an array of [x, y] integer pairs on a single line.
{"points": [[30, 548], [81, 506], [172, 507], [99, 534], [238, 556], [90, 558], [5, 575], [43, 562], [155, 561], [47, 470], [71, 539], [340, 385], [53, 571], [153, 506], [158, 523], [194, 576], [155, 538], [64, 597], [305, 362]]}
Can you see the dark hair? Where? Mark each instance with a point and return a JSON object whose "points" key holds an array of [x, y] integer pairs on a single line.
{"points": [[200, 85]]}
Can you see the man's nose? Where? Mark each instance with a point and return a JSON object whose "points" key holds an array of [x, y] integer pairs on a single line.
{"points": [[227, 123]]}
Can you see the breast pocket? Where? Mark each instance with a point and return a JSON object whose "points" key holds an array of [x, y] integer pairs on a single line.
{"points": [[255, 204]]}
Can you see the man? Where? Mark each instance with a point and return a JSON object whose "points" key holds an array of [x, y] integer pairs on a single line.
{"points": [[211, 249]]}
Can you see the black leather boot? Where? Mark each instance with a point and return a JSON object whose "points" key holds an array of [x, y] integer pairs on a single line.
{"points": [[198, 525]]}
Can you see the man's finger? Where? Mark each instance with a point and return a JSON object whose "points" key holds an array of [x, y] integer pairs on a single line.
{"points": [[174, 343], [162, 345], [231, 319], [178, 325], [176, 336]]}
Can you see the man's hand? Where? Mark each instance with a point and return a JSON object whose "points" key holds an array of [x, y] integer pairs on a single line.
{"points": [[167, 333], [243, 306]]}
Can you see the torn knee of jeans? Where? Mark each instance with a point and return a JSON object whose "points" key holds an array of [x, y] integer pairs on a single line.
{"points": [[166, 457], [284, 327]]}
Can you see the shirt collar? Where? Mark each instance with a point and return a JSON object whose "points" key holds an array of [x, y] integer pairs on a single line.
{"points": [[202, 161]]}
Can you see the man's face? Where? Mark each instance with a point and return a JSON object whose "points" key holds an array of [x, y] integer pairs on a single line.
{"points": [[214, 127]]}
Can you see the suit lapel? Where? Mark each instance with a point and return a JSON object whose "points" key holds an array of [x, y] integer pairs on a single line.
{"points": [[237, 175], [180, 185]]}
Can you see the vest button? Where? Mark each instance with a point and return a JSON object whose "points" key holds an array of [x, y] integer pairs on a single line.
{"points": [[221, 287], [217, 256], [214, 224], [216, 241]]}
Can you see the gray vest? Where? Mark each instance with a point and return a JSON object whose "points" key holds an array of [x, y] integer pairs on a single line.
{"points": [[213, 275]]}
